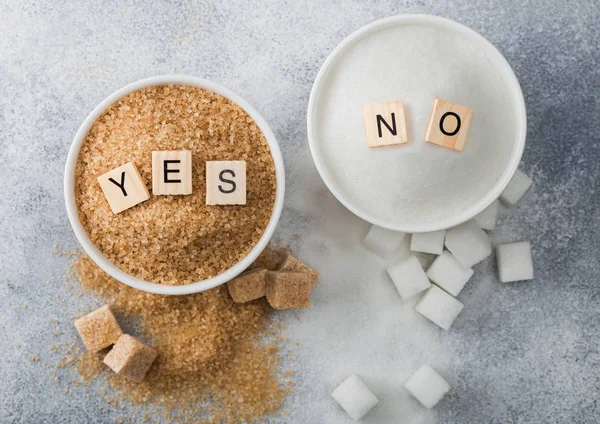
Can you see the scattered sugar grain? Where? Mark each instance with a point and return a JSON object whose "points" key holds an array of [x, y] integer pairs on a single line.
{"points": [[212, 352]]}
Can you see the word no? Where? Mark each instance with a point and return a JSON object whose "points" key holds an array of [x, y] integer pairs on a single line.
{"points": [[385, 124]]}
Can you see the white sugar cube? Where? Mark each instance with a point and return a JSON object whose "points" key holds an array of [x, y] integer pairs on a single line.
{"points": [[354, 397], [382, 242], [448, 273], [487, 217], [432, 242], [427, 386], [516, 188], [439, 307], [408, 277], [468, 243], [514, 262]]}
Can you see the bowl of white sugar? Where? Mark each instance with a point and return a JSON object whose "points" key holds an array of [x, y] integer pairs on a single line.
{"points": [[417, 186]]}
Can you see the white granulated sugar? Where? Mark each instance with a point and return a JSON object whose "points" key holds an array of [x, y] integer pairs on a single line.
{"points": [[417, 183], [357, 323]]}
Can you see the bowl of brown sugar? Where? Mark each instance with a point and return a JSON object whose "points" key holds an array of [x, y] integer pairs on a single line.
{"points": [[174, 244]]}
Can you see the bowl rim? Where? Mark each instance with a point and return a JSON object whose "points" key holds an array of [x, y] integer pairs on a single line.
{"points": [[512, 84], [92, 250]]}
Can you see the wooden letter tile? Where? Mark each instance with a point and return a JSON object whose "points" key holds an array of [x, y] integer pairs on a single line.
{"points": [[123, 187], [226, 182], [385, 124], [172, 172], [448, 125]]}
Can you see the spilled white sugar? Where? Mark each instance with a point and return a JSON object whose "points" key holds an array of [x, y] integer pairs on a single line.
{"points": [[357, 322], [418, 182]]}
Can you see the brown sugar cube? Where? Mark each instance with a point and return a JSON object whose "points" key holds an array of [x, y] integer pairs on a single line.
{"points": [[270, 259], [289, 290], [99, 328], [291, 264], [226, 182], [448, 125], [248, 286], [130, 358], [123, 187], [385, 124], [172, 172]]}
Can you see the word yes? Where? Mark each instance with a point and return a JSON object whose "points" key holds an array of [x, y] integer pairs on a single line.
{"points": [[124, 187]]}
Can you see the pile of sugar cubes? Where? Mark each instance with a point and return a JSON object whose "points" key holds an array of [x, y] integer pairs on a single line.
{"points": [[458, 249], [289, 287], [128, 357]]}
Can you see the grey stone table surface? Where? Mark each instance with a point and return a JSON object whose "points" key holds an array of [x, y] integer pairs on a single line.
{"points": [[524, 352]]}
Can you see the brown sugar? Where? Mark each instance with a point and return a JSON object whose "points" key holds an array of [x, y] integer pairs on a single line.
{"points": [[130, 358], [212, 352], [248, 286], [289, 290], [291, 264], [99, 329], [175, 239]]}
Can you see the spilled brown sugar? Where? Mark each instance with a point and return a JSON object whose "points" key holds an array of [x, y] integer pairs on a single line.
{"points": [[175, 239], [218, 361]]}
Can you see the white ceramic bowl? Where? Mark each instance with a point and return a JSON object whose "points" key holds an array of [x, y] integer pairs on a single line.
{"points": [[328, 76], [96, 254]]}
